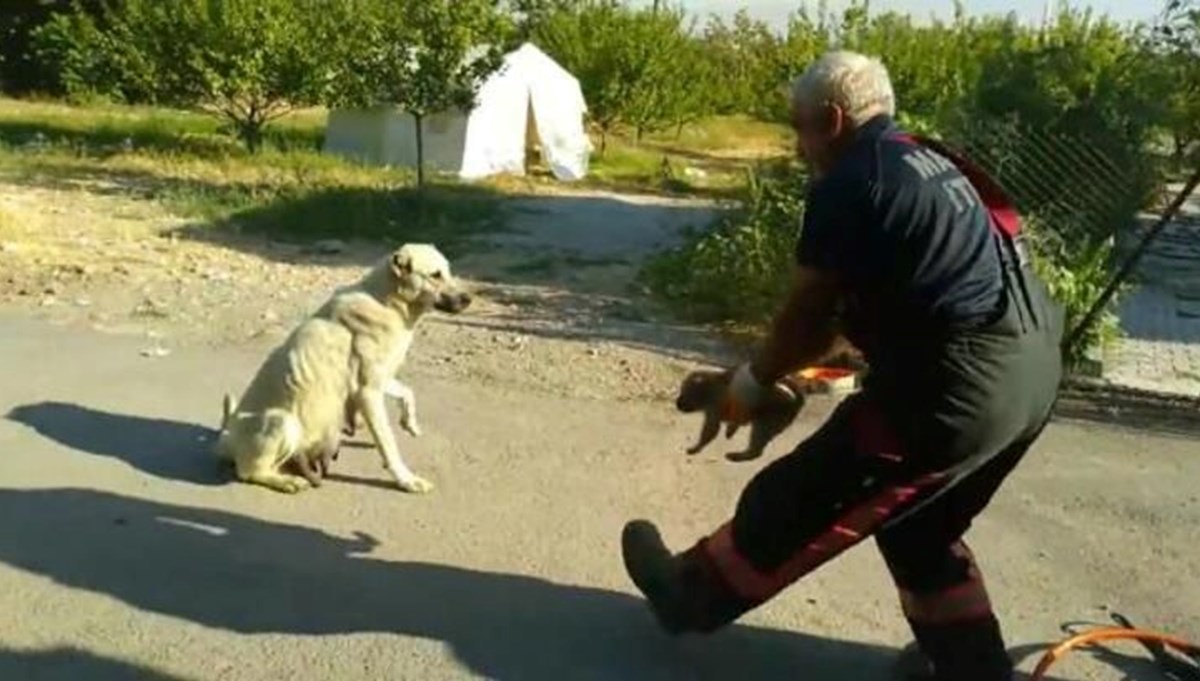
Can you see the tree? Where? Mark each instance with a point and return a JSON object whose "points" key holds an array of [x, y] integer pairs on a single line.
{"points": [[422, 56], [247, 61], [664, 69], [584, 38], [746, 53], [635, 66], [20, 70], [1177, 39]]}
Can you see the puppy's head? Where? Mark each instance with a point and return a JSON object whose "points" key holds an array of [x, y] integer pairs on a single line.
{"points": [[423, 280], [699, 391]]}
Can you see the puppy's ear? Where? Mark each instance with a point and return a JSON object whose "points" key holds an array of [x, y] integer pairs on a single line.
{"points": [[402, 263]]}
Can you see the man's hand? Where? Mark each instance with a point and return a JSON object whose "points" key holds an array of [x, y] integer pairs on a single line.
{"points": [[803, 331]]}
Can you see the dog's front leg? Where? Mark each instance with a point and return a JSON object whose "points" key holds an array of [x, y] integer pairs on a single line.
{"points": [[407, 405], [370, 402]]}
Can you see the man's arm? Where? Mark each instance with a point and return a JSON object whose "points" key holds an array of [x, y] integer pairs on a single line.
{"points": [[804, 330]]}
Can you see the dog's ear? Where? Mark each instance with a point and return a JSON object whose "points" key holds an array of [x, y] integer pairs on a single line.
{"points": [[402, 265]]}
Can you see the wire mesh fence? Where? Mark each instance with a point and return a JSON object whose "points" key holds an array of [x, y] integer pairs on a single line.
{"points": [[1079, 189]]}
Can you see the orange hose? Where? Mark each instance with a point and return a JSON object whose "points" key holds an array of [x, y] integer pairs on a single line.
{"points": [[1107, 634]]}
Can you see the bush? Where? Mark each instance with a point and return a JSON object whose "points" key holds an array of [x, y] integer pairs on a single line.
{"points": [[1076, 275], [738, 271]]}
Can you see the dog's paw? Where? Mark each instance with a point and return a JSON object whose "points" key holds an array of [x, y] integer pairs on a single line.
{"points": [[411, 427], [294, 485], [416, 485], [692, 451], [739, 457]]}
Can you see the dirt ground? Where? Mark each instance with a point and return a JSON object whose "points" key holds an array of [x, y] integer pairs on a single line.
{"points": [[557, 307], [125, 553]]}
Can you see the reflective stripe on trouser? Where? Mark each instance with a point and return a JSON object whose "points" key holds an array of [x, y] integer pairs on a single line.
{"points": [[835, 490], [951, 618]]}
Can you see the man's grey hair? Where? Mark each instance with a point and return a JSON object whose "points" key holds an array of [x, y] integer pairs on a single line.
{"points": [[857, 84]]}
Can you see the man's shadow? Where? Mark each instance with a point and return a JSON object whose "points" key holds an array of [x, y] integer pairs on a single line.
{"points": [[163, 448], [72, 664], [249, 576]]}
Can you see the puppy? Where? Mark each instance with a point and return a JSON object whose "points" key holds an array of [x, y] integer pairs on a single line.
{"points": [[348, 352], [315, 468], [705, 390]]}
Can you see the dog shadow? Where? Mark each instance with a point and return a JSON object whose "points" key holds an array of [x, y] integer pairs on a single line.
{"points": [[163, 448]]}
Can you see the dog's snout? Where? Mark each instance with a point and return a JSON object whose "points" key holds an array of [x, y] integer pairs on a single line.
{"points": [[453, 303]]}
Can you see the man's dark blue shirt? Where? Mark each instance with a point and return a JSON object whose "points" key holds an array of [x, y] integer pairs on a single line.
{"points": [[908, 236]]}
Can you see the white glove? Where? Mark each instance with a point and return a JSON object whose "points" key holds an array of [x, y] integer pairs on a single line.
{"points": [[744, 396]]}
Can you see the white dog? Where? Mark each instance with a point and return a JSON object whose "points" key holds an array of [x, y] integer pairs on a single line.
{"points": [[342, 359]]}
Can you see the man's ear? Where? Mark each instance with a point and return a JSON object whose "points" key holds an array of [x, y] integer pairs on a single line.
{"points": [[401, 263], [835, 119]]}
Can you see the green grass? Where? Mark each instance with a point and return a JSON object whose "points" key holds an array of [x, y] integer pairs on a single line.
{"points": [[709, 158], [184, 161]]}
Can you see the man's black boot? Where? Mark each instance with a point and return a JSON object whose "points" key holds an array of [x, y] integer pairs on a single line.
{"points": [[655, 572]]}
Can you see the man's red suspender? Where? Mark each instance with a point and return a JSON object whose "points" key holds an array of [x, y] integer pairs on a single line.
{"points": [[1004, 214]]}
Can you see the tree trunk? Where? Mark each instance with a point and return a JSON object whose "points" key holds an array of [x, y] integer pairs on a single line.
{"points": [[603, 140], [420, 151], [679, 130], [250, 133]]}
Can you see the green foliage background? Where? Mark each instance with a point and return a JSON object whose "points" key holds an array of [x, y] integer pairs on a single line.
{"points": [[1114, 108]]}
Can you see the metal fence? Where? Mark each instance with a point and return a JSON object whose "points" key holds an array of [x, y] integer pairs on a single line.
{"points": [[1076, 188]]}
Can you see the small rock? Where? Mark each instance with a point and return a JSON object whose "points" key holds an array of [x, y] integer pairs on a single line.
{"points": [[593, 352], [155, 352], [83, 302], [270, 316], [149, 308], [48, 301]]}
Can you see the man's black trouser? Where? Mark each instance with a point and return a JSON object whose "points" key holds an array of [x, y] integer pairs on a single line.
{"points": [[911, 464]]}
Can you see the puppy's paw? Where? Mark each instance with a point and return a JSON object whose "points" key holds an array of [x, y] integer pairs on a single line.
{"points": [[692, 451], [739, 457], [416, 485]]}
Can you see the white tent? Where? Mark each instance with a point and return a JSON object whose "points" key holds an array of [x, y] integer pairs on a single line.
{"points": [[490, 139]]}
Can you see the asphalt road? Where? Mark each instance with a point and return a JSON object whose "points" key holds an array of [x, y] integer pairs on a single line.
{"points": [[126, 552]]}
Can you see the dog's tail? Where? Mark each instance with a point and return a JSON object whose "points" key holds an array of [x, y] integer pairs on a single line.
{"points": [[228, 406]]}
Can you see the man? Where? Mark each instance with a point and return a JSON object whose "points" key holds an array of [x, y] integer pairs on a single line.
{"points": [[917, 266]]}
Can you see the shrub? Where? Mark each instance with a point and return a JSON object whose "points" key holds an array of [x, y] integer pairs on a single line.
{"points": [[738, 270]]}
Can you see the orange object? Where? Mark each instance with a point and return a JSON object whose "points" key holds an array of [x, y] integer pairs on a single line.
{"points": [[826, 374], [1108, 634]]}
